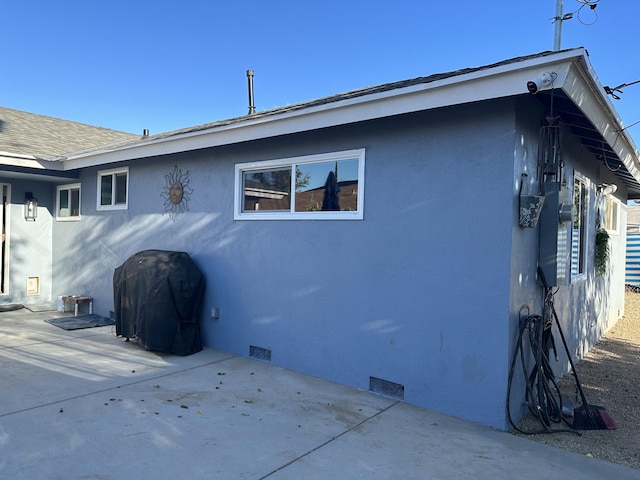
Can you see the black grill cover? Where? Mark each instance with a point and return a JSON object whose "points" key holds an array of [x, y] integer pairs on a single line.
{"points": [[157, 301]]}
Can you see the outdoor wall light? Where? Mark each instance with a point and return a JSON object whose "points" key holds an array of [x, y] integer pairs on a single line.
{"points": [[30, 207], [607, 189]]}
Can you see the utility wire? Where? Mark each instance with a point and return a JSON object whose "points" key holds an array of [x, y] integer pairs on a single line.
{"points": [[592, 6], [615, 92]]}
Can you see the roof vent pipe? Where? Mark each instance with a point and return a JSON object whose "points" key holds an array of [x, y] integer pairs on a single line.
{"points": [[145, 132], [252, 108]]}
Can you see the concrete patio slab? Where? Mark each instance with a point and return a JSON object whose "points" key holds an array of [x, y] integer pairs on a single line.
{"points": [[84, 404]]}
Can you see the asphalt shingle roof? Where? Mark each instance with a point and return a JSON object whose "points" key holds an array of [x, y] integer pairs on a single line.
{"points": [[24, 133]]}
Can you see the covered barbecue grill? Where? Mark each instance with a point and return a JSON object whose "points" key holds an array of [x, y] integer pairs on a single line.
{"points": [[157, 301]]}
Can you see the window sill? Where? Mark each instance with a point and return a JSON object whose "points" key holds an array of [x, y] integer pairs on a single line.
{"points": [[103, 208], [578, 278]]}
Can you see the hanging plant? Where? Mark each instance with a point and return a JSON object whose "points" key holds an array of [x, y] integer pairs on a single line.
{"points": [[602, 252]]}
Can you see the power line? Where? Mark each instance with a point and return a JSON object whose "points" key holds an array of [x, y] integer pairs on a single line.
{"points": [[615, 92], [561, 17]]}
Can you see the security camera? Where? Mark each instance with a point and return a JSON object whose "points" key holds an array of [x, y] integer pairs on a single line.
{"points": [[539, 82]]}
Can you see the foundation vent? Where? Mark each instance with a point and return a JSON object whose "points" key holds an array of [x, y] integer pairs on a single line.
{"points": [[386, 388], [259, 353]]}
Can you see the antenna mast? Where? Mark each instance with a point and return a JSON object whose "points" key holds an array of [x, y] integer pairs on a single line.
{"points": [[557, 20], [561, 17]]}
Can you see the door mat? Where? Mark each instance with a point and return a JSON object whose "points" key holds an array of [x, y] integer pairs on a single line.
{"points": [[10, 307], [81, 321]]}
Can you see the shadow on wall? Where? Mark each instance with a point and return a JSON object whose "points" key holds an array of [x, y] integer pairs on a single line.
{"points": [[583, 314], [85, 261], [598, 305], [29, 249]]}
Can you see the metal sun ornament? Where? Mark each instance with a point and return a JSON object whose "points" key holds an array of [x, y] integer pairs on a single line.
{"points": [[176, 193]]}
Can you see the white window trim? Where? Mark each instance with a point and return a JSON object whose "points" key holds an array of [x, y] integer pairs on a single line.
{"points": [[582, 276], [618, 205], [358, 214], [69, 187], [5, 289], [113, 206]]}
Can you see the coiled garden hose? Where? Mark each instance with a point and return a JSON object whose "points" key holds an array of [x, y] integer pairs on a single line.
{"points": [[543, 396]]}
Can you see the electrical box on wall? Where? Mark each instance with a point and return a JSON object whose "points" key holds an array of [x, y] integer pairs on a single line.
{"points": [[554, 234]]}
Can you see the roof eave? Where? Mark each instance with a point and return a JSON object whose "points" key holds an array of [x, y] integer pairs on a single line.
{"points": [[502, 80], [585, 91], [572, 74], [15, 165]]}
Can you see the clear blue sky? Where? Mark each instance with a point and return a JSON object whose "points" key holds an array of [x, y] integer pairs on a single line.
{"points": [[130, 65]]}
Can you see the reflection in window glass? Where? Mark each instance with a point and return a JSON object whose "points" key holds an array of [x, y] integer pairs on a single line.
{"points": [[267, 190], [63, 201], [327, 186], [579, 230], [113, 189], [75, 202], [105, 189], [68, 201], [121, 188]]}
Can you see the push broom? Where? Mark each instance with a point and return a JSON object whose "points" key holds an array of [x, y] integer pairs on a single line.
{"points": [[586, 416]]}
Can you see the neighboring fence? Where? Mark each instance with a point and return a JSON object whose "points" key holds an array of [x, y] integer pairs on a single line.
{"points": [[632, 267]]}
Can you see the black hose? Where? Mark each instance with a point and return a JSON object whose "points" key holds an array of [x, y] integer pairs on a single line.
{"points": [[542, 394]]}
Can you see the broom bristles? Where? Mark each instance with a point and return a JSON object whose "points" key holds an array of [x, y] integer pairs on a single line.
{"points": [[592, 417]]}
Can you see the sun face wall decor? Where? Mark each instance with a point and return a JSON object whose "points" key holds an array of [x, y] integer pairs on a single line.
{"points": [[176, 193]]}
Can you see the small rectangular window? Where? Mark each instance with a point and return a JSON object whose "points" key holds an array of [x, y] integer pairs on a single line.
{"points": [[113, 186], [579, 227], [68, 202], [611, 215], [326, 186]]}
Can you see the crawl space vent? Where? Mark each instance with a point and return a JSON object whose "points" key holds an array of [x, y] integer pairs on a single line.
{"points": [[387, 388], [260, 353]]}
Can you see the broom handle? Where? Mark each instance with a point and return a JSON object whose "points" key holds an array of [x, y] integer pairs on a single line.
{"points": [[573, 367], [564, 342]]}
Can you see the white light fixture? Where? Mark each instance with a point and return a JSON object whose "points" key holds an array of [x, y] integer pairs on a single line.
{"points": [[607, 189]]}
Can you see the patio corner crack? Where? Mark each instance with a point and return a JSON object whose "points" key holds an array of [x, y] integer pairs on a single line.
{"points": [[282, 467]]}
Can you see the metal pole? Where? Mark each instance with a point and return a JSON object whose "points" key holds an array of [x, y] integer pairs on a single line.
{"points": [[252, 108], [557, 37]]}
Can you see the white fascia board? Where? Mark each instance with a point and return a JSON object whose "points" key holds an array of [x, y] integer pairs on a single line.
{"points": [[27, 161], [500, 81]]}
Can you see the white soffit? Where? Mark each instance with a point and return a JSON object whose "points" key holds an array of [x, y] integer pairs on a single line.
{"points": [[580, 86], [27, 161]]}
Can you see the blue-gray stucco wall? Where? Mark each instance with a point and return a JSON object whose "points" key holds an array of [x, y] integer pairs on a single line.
{"points": [[28, 243], [586, 307], [417, 293]]}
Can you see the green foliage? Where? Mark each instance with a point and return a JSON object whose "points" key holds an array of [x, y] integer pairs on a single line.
{"points": [[602, 252]]}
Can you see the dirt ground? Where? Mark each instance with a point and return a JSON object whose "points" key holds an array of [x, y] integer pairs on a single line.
{"points": [[610, 377]]}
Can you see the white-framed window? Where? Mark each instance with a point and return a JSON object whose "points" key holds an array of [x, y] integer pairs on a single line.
{"points": [[611, 215], [113, 189], [579, 227], [68, 202], [328, 186]]}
